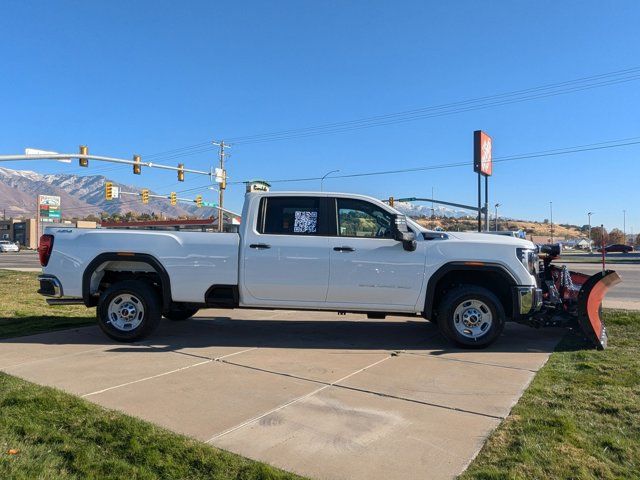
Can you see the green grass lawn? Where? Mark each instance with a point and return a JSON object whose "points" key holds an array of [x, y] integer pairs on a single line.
{"points": [[48, 434], [24, 312], [580, 418]]}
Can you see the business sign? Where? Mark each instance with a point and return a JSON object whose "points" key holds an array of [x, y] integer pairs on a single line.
{"points": [[48, 211], [257, 186], [482, 160]]}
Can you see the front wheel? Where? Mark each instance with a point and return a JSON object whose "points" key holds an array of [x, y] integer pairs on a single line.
{"points": [[471, 316], [128, 311]]}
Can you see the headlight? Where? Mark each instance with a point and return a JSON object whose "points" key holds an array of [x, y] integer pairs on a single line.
{"points": [[529, 259]]}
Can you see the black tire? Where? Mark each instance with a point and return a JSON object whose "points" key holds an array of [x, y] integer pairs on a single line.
{"points": [[142, 298], [475, 299], [178, 314]]}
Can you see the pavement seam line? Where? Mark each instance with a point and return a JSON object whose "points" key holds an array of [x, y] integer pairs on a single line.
{"points": [[295, 400], [164, 373], [362, 390], [473, 362]]}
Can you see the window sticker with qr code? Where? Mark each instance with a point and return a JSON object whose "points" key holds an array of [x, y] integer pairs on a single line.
{"points": [[305, 222]]}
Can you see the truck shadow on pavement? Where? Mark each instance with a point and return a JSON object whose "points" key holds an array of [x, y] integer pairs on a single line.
{"points": [[416, 336]]}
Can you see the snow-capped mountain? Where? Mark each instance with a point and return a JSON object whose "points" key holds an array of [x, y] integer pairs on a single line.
{"points": [[424, 210], [81, 196]]}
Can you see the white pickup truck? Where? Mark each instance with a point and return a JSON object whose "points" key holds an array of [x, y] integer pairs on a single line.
{"points": [[313, 251]]}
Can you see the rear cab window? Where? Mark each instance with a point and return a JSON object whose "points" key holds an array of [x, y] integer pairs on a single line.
{"points": [[304, 216]]}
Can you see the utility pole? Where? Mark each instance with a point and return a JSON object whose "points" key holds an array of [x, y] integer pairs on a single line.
{"points": [[589, 215], [624, 226], [551, 210], [497, 205], [223, 184]]}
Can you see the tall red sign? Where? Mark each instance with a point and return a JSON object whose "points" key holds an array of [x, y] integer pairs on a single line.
{"points": [[482, 160]]}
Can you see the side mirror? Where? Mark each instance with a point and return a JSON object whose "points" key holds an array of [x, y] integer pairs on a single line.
{"points": [[403, 234]]}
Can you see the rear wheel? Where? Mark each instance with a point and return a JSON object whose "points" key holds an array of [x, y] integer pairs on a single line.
{"points": [[179, 313], [129, 311], [471, 316]]}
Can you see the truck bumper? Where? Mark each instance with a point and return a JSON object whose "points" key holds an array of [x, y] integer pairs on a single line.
{"points": [[527, 300], [50, 286]]}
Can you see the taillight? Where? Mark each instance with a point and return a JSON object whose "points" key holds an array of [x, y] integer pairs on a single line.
{"points": [[45, 246]]}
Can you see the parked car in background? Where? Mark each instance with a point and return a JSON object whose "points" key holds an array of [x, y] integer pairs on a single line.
{"points": [[617, 248], [7, 246]]}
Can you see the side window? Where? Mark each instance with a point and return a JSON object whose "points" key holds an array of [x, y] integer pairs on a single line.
{"points": [[357, 218], [291, 216]]}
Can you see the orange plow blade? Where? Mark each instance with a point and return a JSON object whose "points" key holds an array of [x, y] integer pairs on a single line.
{"points": [[590, 299]]}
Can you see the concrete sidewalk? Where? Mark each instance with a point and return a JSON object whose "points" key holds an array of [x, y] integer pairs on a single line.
{"points": [[326, 396]]}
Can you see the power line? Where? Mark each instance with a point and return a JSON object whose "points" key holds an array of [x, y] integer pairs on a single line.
{"points": [[542, 153], [490, 101]]}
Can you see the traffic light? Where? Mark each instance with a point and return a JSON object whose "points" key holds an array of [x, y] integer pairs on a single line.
{"points": [[145, 195], [108, 190], [223, 184], [84, 150], [173, 198], [199, 201], [391, 201], [137, 168], [181, 172]]}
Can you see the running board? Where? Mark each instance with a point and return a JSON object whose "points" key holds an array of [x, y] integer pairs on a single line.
{"points": [[65, 301]]}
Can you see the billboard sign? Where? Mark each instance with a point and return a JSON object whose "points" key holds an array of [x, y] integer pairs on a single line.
{"points": [[482, 159], [48, 210]]}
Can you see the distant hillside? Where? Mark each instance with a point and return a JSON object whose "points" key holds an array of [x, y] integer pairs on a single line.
{"points": [[531, 228], [82, 196]]}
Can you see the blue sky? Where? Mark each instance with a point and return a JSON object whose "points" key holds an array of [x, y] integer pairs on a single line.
{"points": [[146, 77]]}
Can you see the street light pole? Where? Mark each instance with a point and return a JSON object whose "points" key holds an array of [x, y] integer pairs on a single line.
{"points": [[624, 226], [589, 214], [325, 176], [497, 205]]}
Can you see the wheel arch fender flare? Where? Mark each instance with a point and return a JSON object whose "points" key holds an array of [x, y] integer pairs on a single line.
{"points": [[146, 258], [450, 267]]}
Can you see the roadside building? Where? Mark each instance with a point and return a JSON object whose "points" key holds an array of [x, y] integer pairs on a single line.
{"points": [[21, 231], [24, 231]]}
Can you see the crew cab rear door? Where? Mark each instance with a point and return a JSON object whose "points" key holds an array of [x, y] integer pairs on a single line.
{"points": [[286, 253], [369, 268]]}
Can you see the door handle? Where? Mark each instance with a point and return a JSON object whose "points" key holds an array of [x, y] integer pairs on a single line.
{"points": [[260, 246], [344, 249]]}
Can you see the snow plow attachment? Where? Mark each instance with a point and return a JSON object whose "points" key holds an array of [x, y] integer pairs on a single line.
{"points": [[590, 298]]}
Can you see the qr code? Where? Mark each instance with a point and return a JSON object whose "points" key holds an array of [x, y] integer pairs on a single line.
{"points": [[305, 222]]}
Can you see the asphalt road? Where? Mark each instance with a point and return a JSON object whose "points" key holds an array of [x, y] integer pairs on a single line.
{"points": [[25, 259], [625, 295]]}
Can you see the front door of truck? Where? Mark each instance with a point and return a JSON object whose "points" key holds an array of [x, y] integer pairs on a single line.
{"points": [[286, 255], [368, 267]]}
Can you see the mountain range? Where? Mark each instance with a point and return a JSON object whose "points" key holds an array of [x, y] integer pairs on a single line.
{"points": [[81, 196]]}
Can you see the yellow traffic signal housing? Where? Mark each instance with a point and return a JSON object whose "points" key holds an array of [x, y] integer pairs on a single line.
{"points": [[223, 184], [145, 195], [391, 201], [137, 168], [199, 201], [84, 150], [108, 190], [173, 198], [181, 172]]}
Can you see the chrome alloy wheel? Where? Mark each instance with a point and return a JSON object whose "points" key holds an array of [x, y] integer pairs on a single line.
{"points": [[125, 312], [472, 318]]}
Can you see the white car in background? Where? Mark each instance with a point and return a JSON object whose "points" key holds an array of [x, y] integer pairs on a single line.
{"points": [[7, 246]]}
